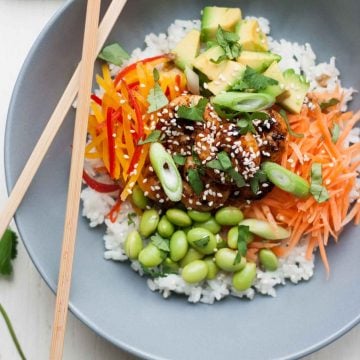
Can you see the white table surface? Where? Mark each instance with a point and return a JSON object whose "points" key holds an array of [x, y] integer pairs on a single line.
{"points": [[25, 296]]}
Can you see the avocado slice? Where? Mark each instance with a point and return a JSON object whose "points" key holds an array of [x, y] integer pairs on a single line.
{"points": [[213, 16], [259, 61], [232, 72], [204, 64], [296, 89], [251, 36], [274, 72], [187, 49]]}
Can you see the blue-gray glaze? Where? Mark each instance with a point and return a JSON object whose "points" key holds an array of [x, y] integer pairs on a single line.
{"points": [[111, 298]]}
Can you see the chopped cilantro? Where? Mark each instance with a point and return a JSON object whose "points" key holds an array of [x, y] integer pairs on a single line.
{"points": [[228, 41], [252, 80], [131, 217], [160, 242], [317, 190], [154, 272], [224, 160], [156, 97], [154, 136], [114, 54], [194, 113], [225, 113], [8, 251], [255, 182], [179, 159], [214, 164], [245, 126], [290, 131], [326, 104], [202, 242], [195, 181], [239, 180]]}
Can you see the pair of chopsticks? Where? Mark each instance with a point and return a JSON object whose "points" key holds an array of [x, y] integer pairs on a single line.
{"points": [[81, 82]]}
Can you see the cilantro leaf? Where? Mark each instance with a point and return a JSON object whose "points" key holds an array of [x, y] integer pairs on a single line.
{"points": [[317, 190], [225, 113], [224, 160], [245, 126], [214, 164], [114, 54], [179, 159], [228, 41], [239, 180], [194, 113], [244, 237], [290, 131], [156, 97], [259, 177], [335, 133], [253, 80], [195, 181], [131, 217], [326, 104], [154, 273], [202, 242], [154, 136], [160, 242], [8, 251]]}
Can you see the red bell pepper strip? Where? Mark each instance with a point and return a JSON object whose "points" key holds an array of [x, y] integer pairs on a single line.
{"points": [[98, 186], [131, 67], [110, 125], [96, 99], [114, 212]]}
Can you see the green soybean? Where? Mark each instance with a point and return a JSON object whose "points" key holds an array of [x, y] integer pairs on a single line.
{"points": [[178, 245], [202, 240], [225, 260], [232, 237], [178, 217], [165, 228], [268, 260], [133, 245], [170, 266], [210, 225], [149, 222], [266, 230], [244, 278], [195, 272], [138, 198], [199, 216], [229, 216], [151, 256], [190, 256], [212, 268]]}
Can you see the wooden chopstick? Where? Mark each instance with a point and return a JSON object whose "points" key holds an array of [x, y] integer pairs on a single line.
{"points": [[54, 123], [75, 179]]}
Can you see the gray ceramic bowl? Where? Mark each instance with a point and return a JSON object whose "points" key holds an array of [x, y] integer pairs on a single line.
{"points": [[111, 298]]}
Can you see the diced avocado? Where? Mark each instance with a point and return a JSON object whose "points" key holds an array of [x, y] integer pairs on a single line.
{"points": [[251, 36], [187, 49], [232, 72], [257, 60], [214, 16], [274, 72], [296, 88], [204, 64]]}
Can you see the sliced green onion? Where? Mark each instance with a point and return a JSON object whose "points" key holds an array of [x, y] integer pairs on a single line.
{"points": [[286, 180], [244, 102], [166, 171], [265, 230]]}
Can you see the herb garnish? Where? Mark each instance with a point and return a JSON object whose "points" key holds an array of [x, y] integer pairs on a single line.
{"points": [[244, 237], [154, 273], [225, 113], [8, 251], [156, 97], [114, 54], [252, 80], [335, 133], [228, 41], [290, 131], [195, 181], [160, 242], [326, 104], [255, 182], [179, 159], [194, 113], [131, 217], [318, 191], [202, 242], [154, 136], [224, 160]]}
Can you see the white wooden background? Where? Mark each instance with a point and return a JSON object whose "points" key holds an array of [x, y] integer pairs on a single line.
{"points": [[25, 296]]}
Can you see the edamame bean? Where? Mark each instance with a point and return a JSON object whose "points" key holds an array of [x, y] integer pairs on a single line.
{"points": [[232, 237], [191, 256], [170, 266], [149, 222], [178, 245], [178, 217], [212, 268], [151, 256], [165, 228], [229, 216], [138, 198], [133, 245], [244, 278], [210, 225], [195, 272], [225, 260], [199, 216], [202, 240], [266, 230], [268, 260]]}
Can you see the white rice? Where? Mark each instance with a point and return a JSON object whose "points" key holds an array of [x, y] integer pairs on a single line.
{"points": [[294, 268]]}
